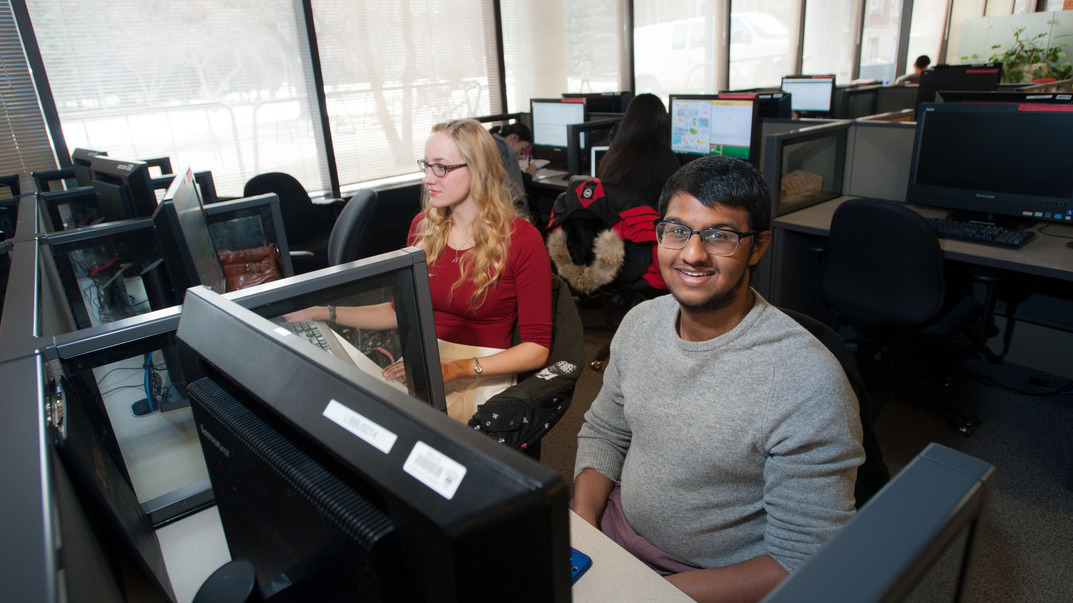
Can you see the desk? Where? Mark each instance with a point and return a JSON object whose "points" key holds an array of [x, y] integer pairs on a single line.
{"points": [[1041, 273], [195, 546]]}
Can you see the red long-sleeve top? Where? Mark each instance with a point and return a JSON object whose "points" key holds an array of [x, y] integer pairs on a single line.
{"points": [[521, 296]]}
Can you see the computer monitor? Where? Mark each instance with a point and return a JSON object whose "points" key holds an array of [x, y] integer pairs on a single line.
{"points": [[769, 103], [185, 239], [896, 98], [995, 96], [337, 489], [994, 162], [581, 138], [811, 95], [957, 77], [124, 188], [917, 539], [852, 102], [709, 125], [549, 120], [602, 102], [80, 159]]}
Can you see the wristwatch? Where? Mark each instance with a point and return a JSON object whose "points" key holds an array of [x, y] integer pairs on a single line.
{"points": [[477, 368], [331, 315]]}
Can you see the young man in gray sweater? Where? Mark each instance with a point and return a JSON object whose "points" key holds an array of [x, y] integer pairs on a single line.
{"points": [[723, 447]]}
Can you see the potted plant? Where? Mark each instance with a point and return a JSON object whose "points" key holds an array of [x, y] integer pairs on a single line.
{"points": [[1031, 59]]}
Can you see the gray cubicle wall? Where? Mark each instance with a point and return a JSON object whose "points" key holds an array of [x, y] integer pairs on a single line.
{"points": [[878, 156]]}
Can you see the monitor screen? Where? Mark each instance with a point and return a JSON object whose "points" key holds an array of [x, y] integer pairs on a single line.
{"points": [[810, 94], [958, 77], [994, 160], [338, 489], [992, 96], [770, 103], [193, 243], [710, 125], [123, 187], [550, 118]]}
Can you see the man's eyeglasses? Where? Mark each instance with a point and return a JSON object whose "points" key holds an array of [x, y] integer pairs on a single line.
{"points": [[438, 169], [718, 242]]}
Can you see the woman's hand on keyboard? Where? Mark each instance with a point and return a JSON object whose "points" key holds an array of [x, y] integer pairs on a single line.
{"points": [[313, 313]]}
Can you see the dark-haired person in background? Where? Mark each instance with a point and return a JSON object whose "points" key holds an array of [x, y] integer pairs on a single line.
{"points": [[639, 159], [514, 142], [919, 66], [723, 447]]}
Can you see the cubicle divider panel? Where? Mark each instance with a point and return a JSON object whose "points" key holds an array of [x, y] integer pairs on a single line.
{"points": [[878, 158]]}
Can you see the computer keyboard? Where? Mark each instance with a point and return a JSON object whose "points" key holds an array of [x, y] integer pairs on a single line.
{"points": [[311, 331], [985, 234]]}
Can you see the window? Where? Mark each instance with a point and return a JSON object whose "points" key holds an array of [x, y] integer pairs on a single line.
{"points": [[563, 46], [394, 69], [926, 31], [763, 42], [678, 48], [879, 56], [830, 38], [227, 88]]}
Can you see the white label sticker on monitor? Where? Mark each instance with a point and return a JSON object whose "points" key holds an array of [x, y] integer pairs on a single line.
{"points": [[435, 470], [357, 424]]}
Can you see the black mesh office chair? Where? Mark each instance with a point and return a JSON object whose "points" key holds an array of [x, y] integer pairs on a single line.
{"points": [[886, 277], [368, 226], [873, 474], [308, 225]]}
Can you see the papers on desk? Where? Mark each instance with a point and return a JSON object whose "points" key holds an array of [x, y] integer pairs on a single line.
{"points": [[550, 175], [524, 163]]}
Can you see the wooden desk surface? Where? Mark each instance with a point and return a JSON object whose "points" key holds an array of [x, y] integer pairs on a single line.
{"points": [[1046, 255], [615, 575]]}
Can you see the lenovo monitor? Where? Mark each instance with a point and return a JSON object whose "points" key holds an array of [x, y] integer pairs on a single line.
{"points": [[186, 242], [994, 162], [80, 159], [711, 125], [769, 103], [602, 102], [338, 488], [810, 95]]}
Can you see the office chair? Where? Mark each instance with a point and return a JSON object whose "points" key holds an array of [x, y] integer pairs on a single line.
{"points": [[603, 245], [368, 226], [308, 225], [873, 474], [523, 414], [885, 276]]}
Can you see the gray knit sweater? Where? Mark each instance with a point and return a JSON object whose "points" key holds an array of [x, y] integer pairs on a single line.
{"points": [[730, 448]]}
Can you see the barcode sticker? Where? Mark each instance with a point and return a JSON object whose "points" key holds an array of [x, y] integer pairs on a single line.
{"points": [[438, 472], [357, 424]]}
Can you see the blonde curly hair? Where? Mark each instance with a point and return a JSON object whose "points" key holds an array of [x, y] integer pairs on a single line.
{"points": [[484, 262]]}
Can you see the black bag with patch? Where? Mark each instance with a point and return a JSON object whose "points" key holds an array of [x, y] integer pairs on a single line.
{"points": [[520, 415]]}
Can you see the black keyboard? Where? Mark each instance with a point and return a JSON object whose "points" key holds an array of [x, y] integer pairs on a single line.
{"points": [[311, 331], [984, 234]]}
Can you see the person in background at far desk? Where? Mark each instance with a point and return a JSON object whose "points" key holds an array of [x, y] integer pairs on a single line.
{"points": [[639, 159], [514, 142], [919, 66], [488, 271], [723, 447]]}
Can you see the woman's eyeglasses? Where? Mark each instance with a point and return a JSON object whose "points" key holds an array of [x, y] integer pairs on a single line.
{"points": [[438, 169]]}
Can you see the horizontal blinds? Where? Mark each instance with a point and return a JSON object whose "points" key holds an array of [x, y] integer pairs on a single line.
{"points": [[220, 86], [24, 141]]}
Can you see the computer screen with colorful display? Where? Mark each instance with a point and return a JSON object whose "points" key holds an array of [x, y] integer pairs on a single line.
{"points": [[810, 95], [709, 125]]}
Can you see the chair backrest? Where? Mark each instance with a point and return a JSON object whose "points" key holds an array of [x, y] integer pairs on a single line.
{"points": [[298, 212], [884, 266], [873, 474], [358, 234]]}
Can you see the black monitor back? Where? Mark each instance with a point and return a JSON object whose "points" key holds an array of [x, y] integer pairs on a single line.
{"points": [[958, 77], [124, 188], [80, 159], [391, 498]]}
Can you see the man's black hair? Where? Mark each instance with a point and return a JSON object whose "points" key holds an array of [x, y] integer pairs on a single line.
{"points": [[716, 180]]}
